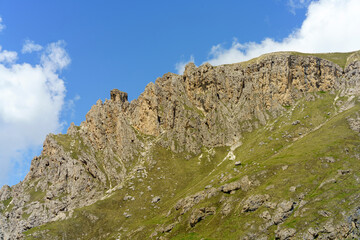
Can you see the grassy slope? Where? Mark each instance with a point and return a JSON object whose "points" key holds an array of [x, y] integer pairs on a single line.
{"points": [[338, 58], [172, 179], [306, 170], [341, 59], [177, 178]]}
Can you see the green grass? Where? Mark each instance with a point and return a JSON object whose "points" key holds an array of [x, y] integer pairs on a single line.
{"points": [[36, 195], [25, 215], [74, 145], [172, 177], [178, 175], [353, 57], [337, 58], [340, 58], [7, 202], [191, 111], [190, 236]]}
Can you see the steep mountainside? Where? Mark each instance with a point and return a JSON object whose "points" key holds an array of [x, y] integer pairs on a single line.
{"points": [[264, 149]]}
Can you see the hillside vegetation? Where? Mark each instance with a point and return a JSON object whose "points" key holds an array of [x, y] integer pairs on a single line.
{"points": [[312, 164], [264, 149]]}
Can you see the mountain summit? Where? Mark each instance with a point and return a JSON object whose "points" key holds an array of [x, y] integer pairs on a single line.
{"points": [[264, 149]]}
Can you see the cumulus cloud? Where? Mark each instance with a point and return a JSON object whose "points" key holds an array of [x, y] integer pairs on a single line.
{"points": [[30, 46], [2, 26], [330, 26], [31, 100], [180, 66]]}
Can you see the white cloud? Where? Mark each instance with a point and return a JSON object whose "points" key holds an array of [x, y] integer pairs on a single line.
{"points": [[31, 100], [180, 66], [297, 4], [7, 56], [2, 26], [29, 47], [56, 58], [330, 26], [69, 106]]}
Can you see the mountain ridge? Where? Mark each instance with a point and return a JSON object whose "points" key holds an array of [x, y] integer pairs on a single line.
{"points": [[186, 117]]}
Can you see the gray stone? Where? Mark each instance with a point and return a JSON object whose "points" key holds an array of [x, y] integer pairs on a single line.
{"points": [[285, 234], [254, 202], [155, 199], [200, 214]]}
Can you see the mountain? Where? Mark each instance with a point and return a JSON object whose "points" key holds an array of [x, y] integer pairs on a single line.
{"points": [[264, 149]]}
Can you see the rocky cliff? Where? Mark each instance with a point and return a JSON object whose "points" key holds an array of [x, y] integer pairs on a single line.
{"points": [[243, 132]]}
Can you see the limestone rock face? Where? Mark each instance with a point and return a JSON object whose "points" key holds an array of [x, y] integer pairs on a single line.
{"points": [[221, 101], [207, 106], [5, 192], [74, 169], [118, 96]]}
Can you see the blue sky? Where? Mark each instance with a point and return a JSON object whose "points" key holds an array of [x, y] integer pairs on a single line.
{"points": [[83, 49]]}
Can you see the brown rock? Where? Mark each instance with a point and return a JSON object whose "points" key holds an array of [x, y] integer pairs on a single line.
{"points": [[200, 214], [242, 184], [118, 96], [254, 202]]}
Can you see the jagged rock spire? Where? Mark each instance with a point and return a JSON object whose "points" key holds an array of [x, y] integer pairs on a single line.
{"points": [[118, 96]]}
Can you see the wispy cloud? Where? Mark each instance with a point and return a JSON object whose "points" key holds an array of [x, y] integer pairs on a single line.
{"points": [[31, 100], [297, 4], [69, 106], [180, 66], [330, 26], [30, 46], [2, 25], [7, 56]]}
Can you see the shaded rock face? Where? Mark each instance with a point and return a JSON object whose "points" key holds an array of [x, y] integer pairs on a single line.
{"points": [[206, 106]]}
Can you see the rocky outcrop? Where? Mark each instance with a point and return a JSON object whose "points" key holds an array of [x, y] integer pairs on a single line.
{"points": [[284, 234], [187, 203], [118, 96], [74, 169], [200, 214], [243, 184], [5, 193], [354, 122], [226, 100], [254, 202], [283, 210]]}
